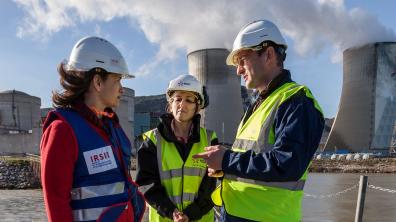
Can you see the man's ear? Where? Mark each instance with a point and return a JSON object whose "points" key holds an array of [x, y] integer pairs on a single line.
{"points": [[271, 56], [271, 53]]}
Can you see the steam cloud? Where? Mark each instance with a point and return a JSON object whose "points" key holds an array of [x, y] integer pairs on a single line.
{"points": [[190, 25]]}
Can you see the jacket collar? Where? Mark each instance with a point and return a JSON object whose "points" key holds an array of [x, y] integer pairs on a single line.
{"points": [[278, 81], [91, 116]]}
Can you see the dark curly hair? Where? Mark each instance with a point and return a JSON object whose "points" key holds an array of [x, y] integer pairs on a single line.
{"points": [[75, 84]]}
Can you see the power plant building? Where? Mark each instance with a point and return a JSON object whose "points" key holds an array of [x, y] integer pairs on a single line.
{"points": [[224, 89], [20, 120], [367, 110], [125, 112]]}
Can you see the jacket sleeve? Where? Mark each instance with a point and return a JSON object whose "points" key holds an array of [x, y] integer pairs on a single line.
{"points": [[298, 128], [58, 155], [203, 203], [148, 178]]}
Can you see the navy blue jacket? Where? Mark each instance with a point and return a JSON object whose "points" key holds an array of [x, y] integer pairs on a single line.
{"points": [[298, 128]]}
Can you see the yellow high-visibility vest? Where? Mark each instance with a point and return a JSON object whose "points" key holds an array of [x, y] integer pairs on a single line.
{"points": [[180, 179], [259, 200]]}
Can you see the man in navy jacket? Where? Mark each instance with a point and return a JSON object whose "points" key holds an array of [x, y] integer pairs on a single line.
{"points": [[279, 160]]}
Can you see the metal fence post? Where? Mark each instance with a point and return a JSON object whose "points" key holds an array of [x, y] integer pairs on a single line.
{"points": [[360, 199]]}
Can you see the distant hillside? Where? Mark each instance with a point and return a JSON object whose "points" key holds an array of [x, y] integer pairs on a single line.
{"points": [[155, 104]]}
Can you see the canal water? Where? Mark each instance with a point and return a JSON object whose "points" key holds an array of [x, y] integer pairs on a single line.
{"points": [[379, 205], [27, 205]]}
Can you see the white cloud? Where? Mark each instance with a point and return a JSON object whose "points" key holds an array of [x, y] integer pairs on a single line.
{"points": [[189, 25]]}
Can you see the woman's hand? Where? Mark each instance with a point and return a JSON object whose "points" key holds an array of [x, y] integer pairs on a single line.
{"points": [[179, 216]]}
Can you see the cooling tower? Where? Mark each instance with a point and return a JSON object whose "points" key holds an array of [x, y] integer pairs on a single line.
{"points": [[367, 110], [224, 88]]}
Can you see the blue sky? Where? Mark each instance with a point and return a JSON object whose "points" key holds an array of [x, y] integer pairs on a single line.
{"points": [[155, 37]]}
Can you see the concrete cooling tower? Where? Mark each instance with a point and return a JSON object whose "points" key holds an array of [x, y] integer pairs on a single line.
{"points": [[224, 88], [367, 110]]}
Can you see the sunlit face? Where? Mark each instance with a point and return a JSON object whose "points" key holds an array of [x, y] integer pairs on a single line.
{"points": [[111, 91], [183, 105], [250, 67]]}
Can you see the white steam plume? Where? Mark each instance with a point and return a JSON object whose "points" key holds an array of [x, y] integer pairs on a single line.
{"points": [[189, 25]]}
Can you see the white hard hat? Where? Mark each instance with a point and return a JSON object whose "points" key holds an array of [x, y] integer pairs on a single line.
{"points": [[186, 83], [94, 52], [254, 34]]}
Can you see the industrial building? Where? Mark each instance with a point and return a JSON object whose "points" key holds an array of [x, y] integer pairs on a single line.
{"points": [[19, 122], [125, 112], [366, 117], [146, 121], [224, 88], [148, 109]]}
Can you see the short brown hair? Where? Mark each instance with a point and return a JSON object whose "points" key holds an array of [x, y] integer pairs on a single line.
{"points": [[75, 84], [279, 52]]}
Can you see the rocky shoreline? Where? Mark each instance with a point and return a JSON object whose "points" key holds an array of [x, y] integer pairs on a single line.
{"points": [[24, 174], [19, 174], [373, 165]]}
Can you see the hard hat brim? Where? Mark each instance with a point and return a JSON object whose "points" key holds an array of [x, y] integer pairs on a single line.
{"points": [[230, 58], [128, 76]]}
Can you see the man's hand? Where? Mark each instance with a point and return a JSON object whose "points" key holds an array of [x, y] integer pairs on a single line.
{"points": [[213, 157], [215, 173]]}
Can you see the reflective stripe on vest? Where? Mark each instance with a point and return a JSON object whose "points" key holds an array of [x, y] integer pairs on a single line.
{"points": [[187, 197], [291, 185], [180, 179], [262, 144], [187, 171], [87, 214], [97, 191], [264, 201]]}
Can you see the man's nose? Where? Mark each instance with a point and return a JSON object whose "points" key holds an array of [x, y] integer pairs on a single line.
{"points": [[240, 70]]}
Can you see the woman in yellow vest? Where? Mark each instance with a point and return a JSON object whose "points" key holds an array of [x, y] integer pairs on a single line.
{"points": [[175, 185]]}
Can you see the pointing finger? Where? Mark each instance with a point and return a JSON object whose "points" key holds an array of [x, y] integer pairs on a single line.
{"points": [[209, 148], [203, 155]]}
